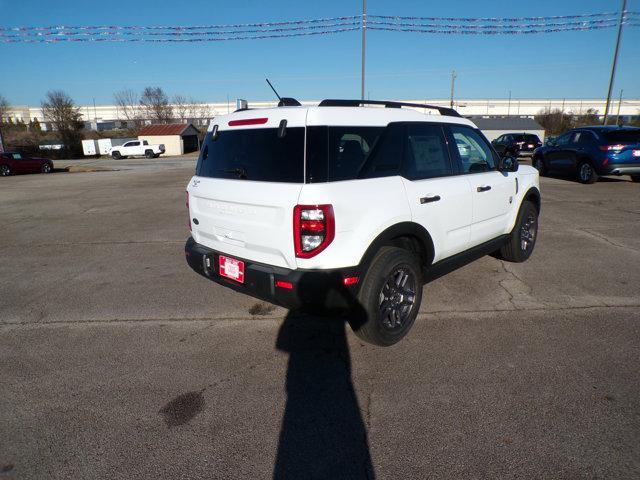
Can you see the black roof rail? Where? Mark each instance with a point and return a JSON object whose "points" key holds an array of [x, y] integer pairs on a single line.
{"points": [[387, 104]]}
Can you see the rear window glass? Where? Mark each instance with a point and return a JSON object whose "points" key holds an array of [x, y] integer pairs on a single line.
{"points": [[526, 138], [254, 154], [339, 153], [623, 136]]}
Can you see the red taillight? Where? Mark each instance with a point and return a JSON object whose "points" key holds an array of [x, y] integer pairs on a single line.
{"points": [[248, 121], [283, 284], [313, 229], [609, 148], [188, 212], [350, 281], [312, 226]]}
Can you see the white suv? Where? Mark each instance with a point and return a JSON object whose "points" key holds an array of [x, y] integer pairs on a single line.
{"points": [[352, 206]]}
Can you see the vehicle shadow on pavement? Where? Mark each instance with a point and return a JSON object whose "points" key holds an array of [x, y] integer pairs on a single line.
{"points": [[323, 434]]}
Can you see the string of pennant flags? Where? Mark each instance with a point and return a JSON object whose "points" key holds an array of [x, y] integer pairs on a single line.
{"points": [[316, 27]]}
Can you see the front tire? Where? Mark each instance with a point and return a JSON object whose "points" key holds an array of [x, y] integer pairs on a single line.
{"points": [[586, 173], [5, 170], [523, 236], [46, 168], [116, 155], [390, 296]]}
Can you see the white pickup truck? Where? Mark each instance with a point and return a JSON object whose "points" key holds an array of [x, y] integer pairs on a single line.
{"points": [[136, 148]]}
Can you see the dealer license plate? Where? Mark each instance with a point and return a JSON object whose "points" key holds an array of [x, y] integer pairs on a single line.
{"points": [[231, 268]]}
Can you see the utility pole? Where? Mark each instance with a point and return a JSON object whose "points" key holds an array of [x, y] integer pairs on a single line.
{"points": [[615, 60], [619, 103], [509, 104], [453, 85], [364, 42]]}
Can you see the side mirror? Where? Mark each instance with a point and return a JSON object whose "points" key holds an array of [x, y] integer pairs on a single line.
{"points": [[508, 164]]}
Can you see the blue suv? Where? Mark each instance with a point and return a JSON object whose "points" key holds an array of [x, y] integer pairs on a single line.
{"points": [[589, 152]]}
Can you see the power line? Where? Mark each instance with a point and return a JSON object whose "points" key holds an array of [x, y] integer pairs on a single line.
{"points": [[317, 26]]}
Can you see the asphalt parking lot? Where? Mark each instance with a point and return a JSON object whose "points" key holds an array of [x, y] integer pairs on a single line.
{"points": [[117, 361]]}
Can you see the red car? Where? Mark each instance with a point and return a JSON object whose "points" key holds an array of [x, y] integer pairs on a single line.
{"points": [[15, 162]]}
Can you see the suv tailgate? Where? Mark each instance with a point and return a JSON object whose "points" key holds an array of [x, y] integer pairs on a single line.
{"points": [[245, 219]]}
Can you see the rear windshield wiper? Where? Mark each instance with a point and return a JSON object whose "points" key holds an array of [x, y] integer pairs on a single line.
{"points": [[239, 172]]}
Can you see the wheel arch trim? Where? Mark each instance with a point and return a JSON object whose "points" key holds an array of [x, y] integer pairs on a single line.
{"points": [[402, 229]]}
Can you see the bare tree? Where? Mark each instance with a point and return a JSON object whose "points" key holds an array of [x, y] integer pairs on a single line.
{"points": [[58, 108], [590, 117], [181, 107], [4, 108], [202, 111], [128, 106], [554, 121], [155, 105]]}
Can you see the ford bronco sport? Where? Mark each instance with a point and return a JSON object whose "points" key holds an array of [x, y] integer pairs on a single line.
{"points": [[352, 206]]}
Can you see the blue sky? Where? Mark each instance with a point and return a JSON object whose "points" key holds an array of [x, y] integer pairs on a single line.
{"points": [[399, 65]]}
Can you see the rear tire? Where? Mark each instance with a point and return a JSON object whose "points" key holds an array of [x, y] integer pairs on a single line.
{"points": [[390, 296], [538, 164], [586, 173], [5, 170], [46, 168], [523, 236], [635, 178], [149, 154]]}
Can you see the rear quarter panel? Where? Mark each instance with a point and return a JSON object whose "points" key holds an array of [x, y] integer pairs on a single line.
{"points": [[363, 209]]}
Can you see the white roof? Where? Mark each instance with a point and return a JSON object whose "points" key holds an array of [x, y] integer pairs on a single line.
{"points": [[331, 116]]}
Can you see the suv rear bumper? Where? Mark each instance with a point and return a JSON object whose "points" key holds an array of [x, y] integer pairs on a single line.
{"points": [[321, 289], [621, 169]]}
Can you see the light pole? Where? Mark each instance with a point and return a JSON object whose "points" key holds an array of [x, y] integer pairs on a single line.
{"points": [[619, 103], [453, 86], [364, 42], [615, 60]]}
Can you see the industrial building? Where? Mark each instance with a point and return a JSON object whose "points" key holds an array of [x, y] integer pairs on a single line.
{"points": [[103, 117]]}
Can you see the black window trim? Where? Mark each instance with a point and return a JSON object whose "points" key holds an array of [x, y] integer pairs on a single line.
{"points": [[456, 154]]}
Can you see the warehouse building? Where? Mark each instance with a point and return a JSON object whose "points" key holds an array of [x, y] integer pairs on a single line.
{"points": [[493, 127], [177, 138]]}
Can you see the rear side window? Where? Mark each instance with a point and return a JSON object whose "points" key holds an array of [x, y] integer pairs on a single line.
{"points": [[426, 154], [254, 154], [582, 138], [339, 153], [386, 159], [623, 136], [474, 152]]}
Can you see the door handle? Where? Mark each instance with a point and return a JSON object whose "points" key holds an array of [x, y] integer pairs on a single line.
{"points": [[484, 189], [435, 198]]}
